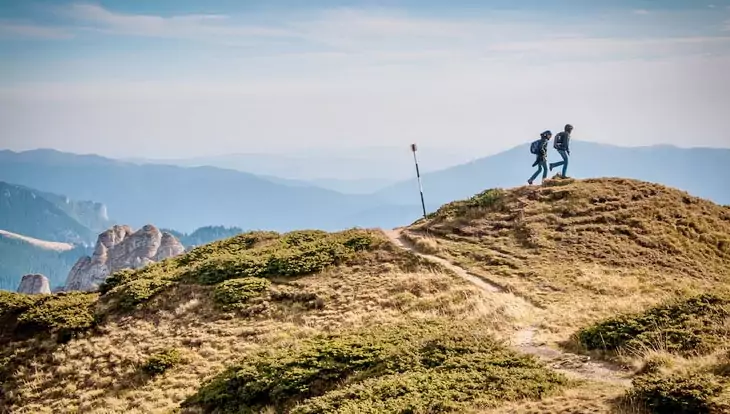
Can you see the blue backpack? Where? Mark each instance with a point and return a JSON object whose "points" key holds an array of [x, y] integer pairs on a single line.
{"points": [[535, 146]]}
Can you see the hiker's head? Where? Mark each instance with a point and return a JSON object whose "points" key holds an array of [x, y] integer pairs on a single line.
{"points": [[546, 135], [568, 128]]}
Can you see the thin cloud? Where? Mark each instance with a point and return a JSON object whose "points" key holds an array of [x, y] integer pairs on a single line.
{"points": [[9, 29], [376, 36], [177, 26]]}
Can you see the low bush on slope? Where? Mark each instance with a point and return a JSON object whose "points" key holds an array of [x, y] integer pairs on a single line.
{"points": [[260, 255], [693, 392], [237, 293], [417, 367], [692, 334], [691, 326], [212, 325], [64, 313]]}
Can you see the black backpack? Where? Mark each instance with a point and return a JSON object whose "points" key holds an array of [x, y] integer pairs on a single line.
{"points": [[559, 141], [535, 146]]}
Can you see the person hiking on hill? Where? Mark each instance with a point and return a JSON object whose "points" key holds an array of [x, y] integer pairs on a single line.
{"points": [[539, 148], [562, 144]]}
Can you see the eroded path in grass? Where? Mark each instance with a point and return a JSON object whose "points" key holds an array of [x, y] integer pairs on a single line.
{"points": [[573, 365]]}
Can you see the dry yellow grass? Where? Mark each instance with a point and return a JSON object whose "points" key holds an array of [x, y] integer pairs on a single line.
{"points": [[568, 254], [585, 250], [588, 398], [99, 373]]}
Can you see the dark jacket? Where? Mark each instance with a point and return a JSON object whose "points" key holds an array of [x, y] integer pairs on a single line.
{"points": [[565, 137]]}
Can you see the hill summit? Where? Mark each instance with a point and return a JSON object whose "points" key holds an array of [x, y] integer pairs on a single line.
{"points": [[592, 296]]}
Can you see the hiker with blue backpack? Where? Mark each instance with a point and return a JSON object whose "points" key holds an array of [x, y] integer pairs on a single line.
{"points": [[539, 148], [562, 144]]}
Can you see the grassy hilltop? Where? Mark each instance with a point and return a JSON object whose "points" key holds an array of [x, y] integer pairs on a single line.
{"points": [[626, 270], [578, 296]]}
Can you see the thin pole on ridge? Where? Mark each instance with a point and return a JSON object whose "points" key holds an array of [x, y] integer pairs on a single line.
{"points": [[418, 174]]}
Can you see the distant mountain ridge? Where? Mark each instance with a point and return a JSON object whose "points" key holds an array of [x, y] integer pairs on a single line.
{"points": [[42, 232], [186, 198], [47, 233], [91, 214], [375, 164], [696, 170], [30, 213]]}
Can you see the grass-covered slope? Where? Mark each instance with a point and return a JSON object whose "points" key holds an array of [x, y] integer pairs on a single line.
{"points": [[587, 249], [421, 366], [682, 348], [631, 271], [347, 322], [264, 320]]}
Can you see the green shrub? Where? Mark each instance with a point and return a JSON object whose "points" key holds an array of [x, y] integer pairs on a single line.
{"points": [[219, 269], [419, 366], [235, 293], [12, 303], [67, 312], [433, 391], [231, 246], [486, 199], [138, 291], [489, 199], [296, 254], [117, 278], [302, 237], [159, 363], [691, 326], [676, 394], [255, 254]]}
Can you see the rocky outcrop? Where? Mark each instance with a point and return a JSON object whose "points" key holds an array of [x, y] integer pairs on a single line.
{"points": [[121, 248], [35, 284]]}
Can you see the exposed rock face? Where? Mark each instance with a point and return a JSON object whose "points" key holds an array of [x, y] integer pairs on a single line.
{"points": [[34, 284], [121, 248]]}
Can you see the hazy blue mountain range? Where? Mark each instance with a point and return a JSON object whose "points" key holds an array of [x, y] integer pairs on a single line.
{"points": [[39, 233], [349, 171], [344, 186], [44, 217], [700, 171], [91, 214], [186, 198], [38, 215]]}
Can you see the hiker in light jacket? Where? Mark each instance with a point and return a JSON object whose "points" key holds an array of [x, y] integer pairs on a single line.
{"points": [[541, 153], [562, 144]]}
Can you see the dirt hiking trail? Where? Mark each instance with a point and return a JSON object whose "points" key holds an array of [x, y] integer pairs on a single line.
{"points": [[570, 364]]}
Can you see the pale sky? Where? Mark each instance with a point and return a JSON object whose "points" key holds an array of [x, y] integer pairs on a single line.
{"points": [[165, 79]]}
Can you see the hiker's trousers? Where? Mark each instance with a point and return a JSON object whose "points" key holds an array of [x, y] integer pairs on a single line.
{"points": [[564, 162]]}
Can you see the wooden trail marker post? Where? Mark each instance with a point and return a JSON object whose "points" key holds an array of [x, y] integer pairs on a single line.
{"points": [[418, 175]]}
